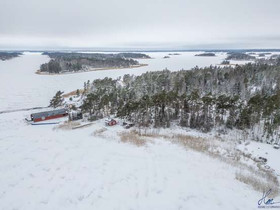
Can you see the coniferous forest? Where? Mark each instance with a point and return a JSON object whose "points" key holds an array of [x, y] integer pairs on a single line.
{"points": [[9, 55], [222, 98], [73, 62]]}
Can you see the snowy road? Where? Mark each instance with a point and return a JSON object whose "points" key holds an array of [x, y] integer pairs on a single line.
{"points": [[19, 110]]}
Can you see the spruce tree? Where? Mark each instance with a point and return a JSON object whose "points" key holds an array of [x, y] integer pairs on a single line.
{"points": [[57, 100]]}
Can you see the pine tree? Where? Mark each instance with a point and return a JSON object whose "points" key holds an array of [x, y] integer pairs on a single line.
{"points": [[78, 92], [57, 100], [85, 87]]}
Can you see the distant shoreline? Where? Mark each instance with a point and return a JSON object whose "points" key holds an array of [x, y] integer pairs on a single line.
{"points": [[232, 64], [89, 70]]}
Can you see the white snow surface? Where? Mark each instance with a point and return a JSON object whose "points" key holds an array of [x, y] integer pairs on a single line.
{"points": [[257, 149], [46, 168]]}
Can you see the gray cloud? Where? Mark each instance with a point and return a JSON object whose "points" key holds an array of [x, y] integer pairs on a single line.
{"points": [[146, 23]]}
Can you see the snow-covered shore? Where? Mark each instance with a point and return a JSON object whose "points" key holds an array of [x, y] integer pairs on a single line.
{"points": [[89, 69]]}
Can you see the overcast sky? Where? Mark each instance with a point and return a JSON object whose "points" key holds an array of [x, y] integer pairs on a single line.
{"points": [[181, 24]]}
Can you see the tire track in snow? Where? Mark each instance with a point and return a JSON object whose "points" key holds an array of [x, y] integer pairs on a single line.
{"points": [[24, 109]]}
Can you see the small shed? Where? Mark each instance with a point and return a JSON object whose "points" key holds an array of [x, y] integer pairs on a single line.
{"points": [[75, 115]]}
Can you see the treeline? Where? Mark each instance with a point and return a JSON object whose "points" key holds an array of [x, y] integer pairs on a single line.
{"points": [[72, 62], [239, 56], [206, 54], [9, 55], [245, 97]]}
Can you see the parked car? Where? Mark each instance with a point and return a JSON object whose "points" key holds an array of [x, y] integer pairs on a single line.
{"points": [[110, 122], [276, 146], [129, 125], [262, 159]]}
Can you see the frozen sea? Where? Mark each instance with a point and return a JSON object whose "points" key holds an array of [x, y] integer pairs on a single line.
{"points": [[20, 87]]}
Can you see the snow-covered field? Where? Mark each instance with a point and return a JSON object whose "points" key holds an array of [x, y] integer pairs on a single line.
{"points": [[42, 167], [46, 168]]}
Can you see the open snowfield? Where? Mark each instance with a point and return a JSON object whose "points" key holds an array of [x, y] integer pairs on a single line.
{"points": [[43, 167], [46, 168]]}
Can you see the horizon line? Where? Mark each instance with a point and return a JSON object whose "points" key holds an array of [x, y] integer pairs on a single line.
{"points": [[107, 49]]}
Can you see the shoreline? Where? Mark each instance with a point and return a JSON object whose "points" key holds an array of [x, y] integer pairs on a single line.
{"points": [[231, 64], [95, 69]]}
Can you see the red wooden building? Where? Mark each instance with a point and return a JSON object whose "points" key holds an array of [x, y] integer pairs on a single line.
{"points": [[48, 115]]}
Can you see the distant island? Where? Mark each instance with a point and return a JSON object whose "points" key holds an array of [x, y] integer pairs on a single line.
{"points": [[166, 56], [263, 54], [206, 54], [225, 62], [82, 62], [133, 55], [9, 55], [174, 54], [239, 56]]}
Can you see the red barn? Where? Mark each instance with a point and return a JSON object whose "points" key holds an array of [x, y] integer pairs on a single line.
{"points": [[48, 115]]}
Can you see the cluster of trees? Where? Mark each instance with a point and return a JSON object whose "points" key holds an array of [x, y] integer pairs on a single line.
{"points": [[53, 66], [57, 100], [133, 55], [225, 62], [206, 54], [63, 62], [272, 60], [9, 55], [239, 56], [242, 97]]}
